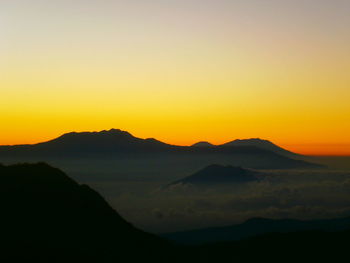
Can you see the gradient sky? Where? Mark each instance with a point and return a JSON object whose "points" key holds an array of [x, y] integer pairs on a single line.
{"points": [[178, 70]]}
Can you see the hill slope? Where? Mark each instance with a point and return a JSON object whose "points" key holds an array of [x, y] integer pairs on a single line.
{"points": [[47, 214]]}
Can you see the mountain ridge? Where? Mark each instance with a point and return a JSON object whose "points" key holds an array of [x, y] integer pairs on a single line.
{"points": [[114, 143]]}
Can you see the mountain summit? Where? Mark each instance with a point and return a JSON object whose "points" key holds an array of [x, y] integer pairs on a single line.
{"points": [[255, 142], [203, 144], [219, 174], [113, 140], [263, 144]]}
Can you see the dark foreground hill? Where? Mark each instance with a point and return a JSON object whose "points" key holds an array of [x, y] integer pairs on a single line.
{"points": [[47, 217], [117, 144]]}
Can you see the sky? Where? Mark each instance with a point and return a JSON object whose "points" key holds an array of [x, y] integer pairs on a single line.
{"points": [[179, 71]]}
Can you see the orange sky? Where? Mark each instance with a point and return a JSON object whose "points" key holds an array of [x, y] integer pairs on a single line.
{"points": [[179, 71]]}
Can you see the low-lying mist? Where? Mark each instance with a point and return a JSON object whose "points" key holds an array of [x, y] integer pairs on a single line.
{"points": [[136, 189]]}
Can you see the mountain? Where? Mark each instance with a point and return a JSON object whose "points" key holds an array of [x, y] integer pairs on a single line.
{"points": [[255, 142], [48, 217], [86, 144], [263, 144], [112, 141], [219, 174], [116, 143], [203, 144], [256, 227]]}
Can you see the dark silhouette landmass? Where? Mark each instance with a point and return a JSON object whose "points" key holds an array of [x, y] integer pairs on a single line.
{"points": [[219, 174], [256, 227], [263, 144], [256, 142], [48, 217], [203, 144], [304, 246], [120, 144]]}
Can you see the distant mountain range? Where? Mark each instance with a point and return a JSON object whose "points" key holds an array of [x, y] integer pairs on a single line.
{"points": [[256, 142], [219, 174], [256, 227], [114, 143]]}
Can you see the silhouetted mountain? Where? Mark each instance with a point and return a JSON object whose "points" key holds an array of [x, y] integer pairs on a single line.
{"points": [[203, 144], [114, 140], [116, 143], [255, 227], [48, 217], [218, 174], [263, 144]]}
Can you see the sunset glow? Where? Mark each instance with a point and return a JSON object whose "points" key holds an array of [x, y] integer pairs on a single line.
{"points": [[178, 71]]}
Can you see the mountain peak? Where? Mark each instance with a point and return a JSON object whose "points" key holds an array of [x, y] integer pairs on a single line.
{"points": [[103, 132], [252, 140], [111, 141], [115, 131], [202, 144], [217, 174], [103, 136], [260, 143]]}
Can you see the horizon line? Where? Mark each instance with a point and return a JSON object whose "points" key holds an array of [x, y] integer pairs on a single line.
{"points": [[284, 146]]}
